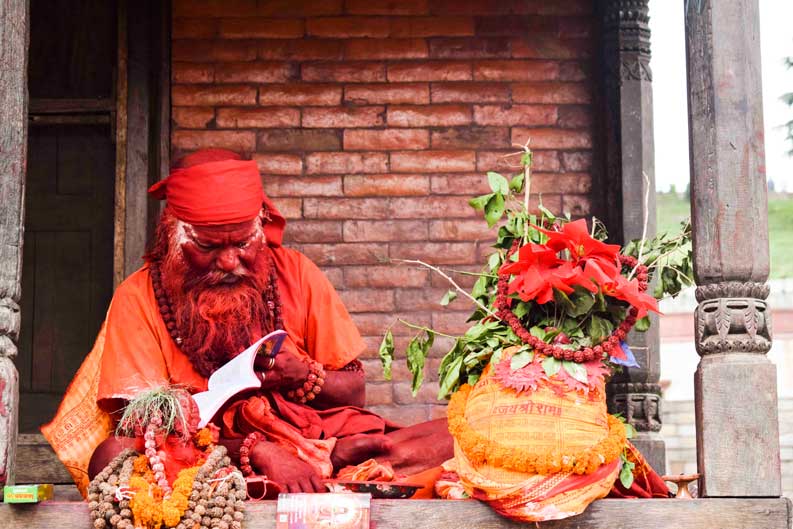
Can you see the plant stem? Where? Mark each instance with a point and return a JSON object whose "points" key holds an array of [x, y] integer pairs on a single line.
{"points": [[452, 282], [427, 329], [646, 220], [466, 273], [526, 185]]}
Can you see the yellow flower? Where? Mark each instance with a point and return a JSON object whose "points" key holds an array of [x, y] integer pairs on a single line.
{"points": [[149, 509]]}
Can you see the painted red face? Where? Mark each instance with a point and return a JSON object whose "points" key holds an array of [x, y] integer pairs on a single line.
{"points": [[225, 253]]}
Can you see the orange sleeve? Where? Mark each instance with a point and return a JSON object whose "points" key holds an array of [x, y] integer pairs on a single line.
{"points": [[331, 338], [132, 360]]}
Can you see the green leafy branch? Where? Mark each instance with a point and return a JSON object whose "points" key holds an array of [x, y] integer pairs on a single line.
{"points": [[668, 258]]}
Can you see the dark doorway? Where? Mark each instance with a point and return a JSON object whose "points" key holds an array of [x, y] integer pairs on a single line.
{"points": [[67, 278]]}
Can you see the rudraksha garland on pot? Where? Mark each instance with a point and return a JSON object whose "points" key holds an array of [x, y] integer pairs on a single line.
{"points": [[183, 480]]}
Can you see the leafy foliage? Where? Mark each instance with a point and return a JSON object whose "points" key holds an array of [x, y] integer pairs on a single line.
{"points": [[668, 256], [386, 353], [580, 318]]}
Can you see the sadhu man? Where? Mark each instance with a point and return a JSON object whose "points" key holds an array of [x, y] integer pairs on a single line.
{"points": [[215, 279]]}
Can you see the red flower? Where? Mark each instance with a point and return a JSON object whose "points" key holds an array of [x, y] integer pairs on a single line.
{"points": [[531, 255], [532, 273], [575, 237], [539, 270], [618, 286], [584, 248]]}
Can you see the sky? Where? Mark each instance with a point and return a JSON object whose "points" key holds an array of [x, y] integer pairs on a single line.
{"points": [[669, 91]]}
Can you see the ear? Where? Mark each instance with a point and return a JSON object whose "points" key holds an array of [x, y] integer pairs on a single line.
{"points": [[264, 215]]}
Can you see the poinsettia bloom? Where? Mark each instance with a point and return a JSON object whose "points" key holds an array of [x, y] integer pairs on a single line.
{"points": [[532, 285], [601, 272], [628, 290], [531, 273], [531, 255], [539, 271], [575, 237], [568, 274]]}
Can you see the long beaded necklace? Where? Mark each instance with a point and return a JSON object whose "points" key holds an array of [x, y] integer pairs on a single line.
{"points": [[270, 296]]}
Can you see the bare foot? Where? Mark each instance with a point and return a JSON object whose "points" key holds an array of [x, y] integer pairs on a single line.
{"points": [[356, 449]]}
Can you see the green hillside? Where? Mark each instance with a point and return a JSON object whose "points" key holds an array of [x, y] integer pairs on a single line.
{"points": [[673, 208]]}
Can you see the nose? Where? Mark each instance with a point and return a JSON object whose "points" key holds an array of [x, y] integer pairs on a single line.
{"points": [[228, 260]]}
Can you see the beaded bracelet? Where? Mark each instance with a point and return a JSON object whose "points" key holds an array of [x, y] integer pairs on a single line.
{"points": [[355, 366], [311, 387], [245, 452]]}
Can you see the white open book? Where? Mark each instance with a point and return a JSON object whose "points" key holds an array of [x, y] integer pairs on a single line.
{"points": [[235, 376]]}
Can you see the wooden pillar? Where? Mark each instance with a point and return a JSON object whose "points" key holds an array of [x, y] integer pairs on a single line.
{"points": [[144, 125], [735, 383], [629, 197], [14, 19]]}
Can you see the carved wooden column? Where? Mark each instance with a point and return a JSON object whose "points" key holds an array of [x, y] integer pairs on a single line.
{"points": [[13, 154], [629, 197], [735, 383]]}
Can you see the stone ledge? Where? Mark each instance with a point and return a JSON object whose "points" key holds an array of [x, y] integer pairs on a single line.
{"points": [[760, 513]]}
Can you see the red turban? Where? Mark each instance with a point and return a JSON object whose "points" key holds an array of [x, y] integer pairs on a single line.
{"points": [[215, 186]]}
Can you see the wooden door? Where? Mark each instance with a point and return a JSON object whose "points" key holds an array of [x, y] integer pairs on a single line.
{"points": [[67, 277]]}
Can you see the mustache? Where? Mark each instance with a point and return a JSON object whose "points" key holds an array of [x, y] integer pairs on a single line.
{"points": [[217, 278]]}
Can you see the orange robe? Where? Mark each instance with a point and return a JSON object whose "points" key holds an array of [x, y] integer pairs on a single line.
{"points": [[134, 352]]}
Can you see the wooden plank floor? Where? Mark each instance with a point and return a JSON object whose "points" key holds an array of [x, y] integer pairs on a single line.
{"points": [[468, 514]]}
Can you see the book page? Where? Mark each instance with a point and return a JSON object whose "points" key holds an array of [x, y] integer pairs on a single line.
{"points": [[235, 376]]}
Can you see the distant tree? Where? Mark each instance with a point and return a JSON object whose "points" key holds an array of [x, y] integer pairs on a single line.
{"points": [[788, 98]]}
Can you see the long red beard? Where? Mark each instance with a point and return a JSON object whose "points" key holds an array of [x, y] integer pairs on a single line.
{"points": [[216, 320]]}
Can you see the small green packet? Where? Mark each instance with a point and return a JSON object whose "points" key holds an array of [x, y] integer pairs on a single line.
{"points": [[27, 493]]}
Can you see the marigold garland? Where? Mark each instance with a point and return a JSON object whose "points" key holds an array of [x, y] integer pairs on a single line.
{"points": [[151, 509], [203, 438], [480, 450]]}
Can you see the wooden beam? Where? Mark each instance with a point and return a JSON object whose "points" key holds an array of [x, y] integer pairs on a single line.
{"points": [[14, 31], [163, 133], [735, 383], [147, 126], [72, 106], [120, 216], [628, 191], [69, 119], [37, 463], [139, 122], [470, 514]]}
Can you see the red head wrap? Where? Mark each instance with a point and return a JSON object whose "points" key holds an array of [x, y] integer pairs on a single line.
{"points": [[215, 186]]}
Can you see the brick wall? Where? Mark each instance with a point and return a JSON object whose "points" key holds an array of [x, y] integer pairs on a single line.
{"points": [[373, 121]]}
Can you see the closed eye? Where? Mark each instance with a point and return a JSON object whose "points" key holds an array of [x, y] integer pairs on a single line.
{"points": [[202, 246]]}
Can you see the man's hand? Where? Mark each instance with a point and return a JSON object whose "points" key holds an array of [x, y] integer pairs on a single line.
{"points": [[288, 372], [284, 468]]}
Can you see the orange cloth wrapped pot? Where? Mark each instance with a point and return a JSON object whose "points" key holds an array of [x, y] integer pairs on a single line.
{"points": [[534, 456]]}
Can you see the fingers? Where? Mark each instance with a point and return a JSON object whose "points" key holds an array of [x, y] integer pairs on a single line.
{"points": [[306, 486], [312, 483], [316, 481]]}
